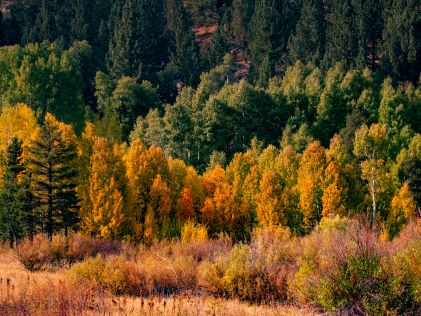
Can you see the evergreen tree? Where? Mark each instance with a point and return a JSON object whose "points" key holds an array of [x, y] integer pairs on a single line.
{"points": [[308, 41], [185, 50], [138, 41], [53, 174], [341, 38], [369, 25], [271, 26], [17, 215], [263, 28], [216, 50], [242, 11], [402, 40]]}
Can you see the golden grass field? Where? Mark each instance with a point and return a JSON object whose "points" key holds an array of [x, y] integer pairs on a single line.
{"points": [[48, 293]]}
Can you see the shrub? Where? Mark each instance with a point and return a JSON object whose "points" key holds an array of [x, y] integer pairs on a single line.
{"points": [[170, 274], [39, 253], [114, 273], [193, 233], [33, 254], [257, 272], [404, 267], [347, 269]]}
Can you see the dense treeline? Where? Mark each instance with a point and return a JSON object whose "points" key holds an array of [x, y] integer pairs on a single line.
{"points": [[350, 147], [153, 40], [114, 121]]}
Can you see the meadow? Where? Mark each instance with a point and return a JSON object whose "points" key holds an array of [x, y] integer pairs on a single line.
{"points": [[342, 267]]}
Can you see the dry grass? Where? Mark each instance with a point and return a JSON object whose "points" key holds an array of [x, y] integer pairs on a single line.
{"points": [[48, 293]]}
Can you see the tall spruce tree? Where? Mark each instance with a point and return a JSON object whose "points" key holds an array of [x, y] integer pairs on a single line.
{"points": [[138, 40], [308, 41], [242, 11], [17, 214], [369, 25], [401, 46], [53, 173], [185, 52], [270, 27], [341, 38], [264, 27]]}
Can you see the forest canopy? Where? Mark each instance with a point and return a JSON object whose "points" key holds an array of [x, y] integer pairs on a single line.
{"points": [[128, 119]]}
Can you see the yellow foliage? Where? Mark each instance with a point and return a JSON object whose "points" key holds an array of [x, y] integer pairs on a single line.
{"points": [[269, 210], [185, 209], [19, 121], [334, 192], [402, 210], [142, 167], [107, 192], [310, 176], [193, 233]]}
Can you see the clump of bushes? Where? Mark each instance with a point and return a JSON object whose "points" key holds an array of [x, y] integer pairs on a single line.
{"points": [[342, 267], [348, 269], [257, 272], [150, 275], [113, 273], [39, 253]]}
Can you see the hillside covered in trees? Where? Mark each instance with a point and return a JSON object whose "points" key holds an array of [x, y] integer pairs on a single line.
{"points": [[137, 120]]}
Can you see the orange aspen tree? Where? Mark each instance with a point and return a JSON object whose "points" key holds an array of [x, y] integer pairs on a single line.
{"points": [[269, 210], [310, 177]]}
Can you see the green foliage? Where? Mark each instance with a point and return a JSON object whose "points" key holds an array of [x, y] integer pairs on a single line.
{"points": [[53, 176], [17, 215], [46, 78], [138, 44]]}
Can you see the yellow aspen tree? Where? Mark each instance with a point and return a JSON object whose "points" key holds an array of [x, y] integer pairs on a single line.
{"points": [[334, 191], [108, 192], [160, 203], [143, 165], [269, 210], [85, 151], [222, 213], [370, 145], [211, 179], [177, 175], [251, 188], [17, 121], [286, 166], [310, 177], [193, 183], [401, 211]]}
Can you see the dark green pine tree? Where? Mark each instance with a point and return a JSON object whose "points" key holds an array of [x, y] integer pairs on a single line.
{"points": [[308, 41], [270, 28], [216, 50], [53, 174], [138, 44], [401, 46], [184, 47], [17, 208], [341, 37], [263, 28], [2, 39], [369, 26], [242, 11]]}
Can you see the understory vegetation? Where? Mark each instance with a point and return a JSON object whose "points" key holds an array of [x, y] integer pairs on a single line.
{"points": [[342, 266]]}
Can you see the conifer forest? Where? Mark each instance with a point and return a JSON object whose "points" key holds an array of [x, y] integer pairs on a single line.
{"points": [[210, 157]]}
